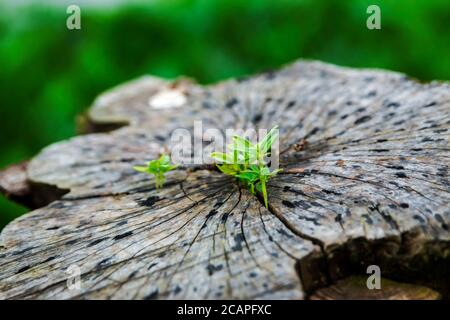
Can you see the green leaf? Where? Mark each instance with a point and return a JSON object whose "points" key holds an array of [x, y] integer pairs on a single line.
{"points": [[222, 157], [227, 169], [246, 162], [164, 160], [140, 169], [248, 175], [242, 145], [275, 172], [264, 171], [153, 166], [266, 143], [157, 167]]}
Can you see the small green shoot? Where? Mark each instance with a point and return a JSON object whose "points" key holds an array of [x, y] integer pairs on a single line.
{"points": [[247, 162], [158, 168]]}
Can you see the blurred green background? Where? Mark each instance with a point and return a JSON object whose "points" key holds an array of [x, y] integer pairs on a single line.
{"points": [[49, 74]]}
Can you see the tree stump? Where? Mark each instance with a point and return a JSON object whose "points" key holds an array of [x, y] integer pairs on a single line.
{"points": [[365, 155]]}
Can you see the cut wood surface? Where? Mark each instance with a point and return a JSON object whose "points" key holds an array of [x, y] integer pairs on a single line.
{"points": [[366, 181]]}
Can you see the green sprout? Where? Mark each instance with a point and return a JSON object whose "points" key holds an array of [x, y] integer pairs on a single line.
{"points": [[247, 162], [158, 168]]}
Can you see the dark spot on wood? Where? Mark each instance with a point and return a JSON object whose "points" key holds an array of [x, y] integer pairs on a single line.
{"points": [[362, 120], [49, 259], [401, 175], [312, 132], [53, 228], [288, 204], [131, 275], [389, 116], [302, 204], [212, 268], [404, 205], [284, 233], [103, 263], [392, 105], [433, 103], [372, 93], [121, 223], [396, 167], [177, 290], [253, 274], [211, 213], [309, 219], [230, 103], [257, 118], [290, 104], [332, 113], [151, 266], [238, 239], [331, 192], [149, 202], [439, 218], [97, 241], [123, 235], [152, 295], [70, 242], [367, 219], [224, 217], [23, 269]]}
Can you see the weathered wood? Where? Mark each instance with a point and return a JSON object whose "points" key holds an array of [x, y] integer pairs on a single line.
{"points": [[356, 288], [14, 184], [365, 181]]}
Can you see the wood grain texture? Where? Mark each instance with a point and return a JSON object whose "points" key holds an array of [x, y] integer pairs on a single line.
{"points": [[365, 156], [355, 287]]}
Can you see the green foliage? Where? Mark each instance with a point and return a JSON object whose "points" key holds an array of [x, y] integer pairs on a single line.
{"points": [[158, 168], [247, 162]]}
